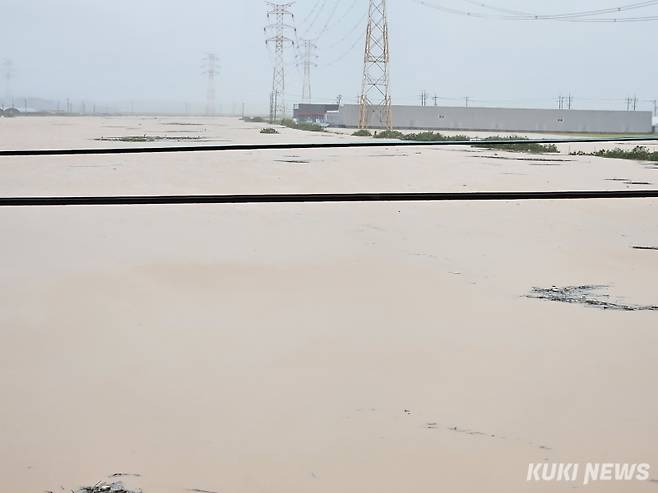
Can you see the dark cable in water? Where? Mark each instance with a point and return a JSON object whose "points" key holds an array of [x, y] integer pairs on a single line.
{"points": [[323, 198], [335, 145]]}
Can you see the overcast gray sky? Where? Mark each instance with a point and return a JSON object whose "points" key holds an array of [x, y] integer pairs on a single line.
{"points": [[151, 50]]}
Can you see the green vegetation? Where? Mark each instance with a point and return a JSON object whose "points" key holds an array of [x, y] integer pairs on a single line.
{"points": [[362, 133], [269, 130], [639, 153], [389, 134], [430, 136], [532, 148], [253, 119], [309, 127]]}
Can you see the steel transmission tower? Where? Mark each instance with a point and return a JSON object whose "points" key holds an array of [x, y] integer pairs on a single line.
{"points": [[308, 61], [211, 68], [375, 100], [278, 14], [8, 73]]}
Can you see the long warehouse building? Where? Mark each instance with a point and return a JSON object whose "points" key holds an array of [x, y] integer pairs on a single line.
{"points": [[503, 119]]}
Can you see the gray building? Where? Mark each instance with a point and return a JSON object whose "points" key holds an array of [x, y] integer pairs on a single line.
{"points": [[504, 119]]}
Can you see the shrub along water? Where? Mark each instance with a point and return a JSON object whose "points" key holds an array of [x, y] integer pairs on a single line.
{"points": [[309, 127], [486, 143], [639, 153]]}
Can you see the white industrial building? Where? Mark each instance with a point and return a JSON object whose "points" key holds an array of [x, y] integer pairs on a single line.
{"points": [[503, 119]]}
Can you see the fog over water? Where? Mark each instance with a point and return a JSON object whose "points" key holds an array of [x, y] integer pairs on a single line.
{"points": [[149, 53]]}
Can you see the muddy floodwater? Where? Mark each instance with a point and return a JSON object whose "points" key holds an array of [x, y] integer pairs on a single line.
{"points": [[388, 347]]}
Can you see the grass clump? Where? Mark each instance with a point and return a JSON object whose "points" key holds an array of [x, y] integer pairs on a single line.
{"points": [[253, 119], [430, 136], [487, 143], [362, 133], [639, 153], [309, 127], [427, 136], [269, 130], [389, 134], [530, 147]]}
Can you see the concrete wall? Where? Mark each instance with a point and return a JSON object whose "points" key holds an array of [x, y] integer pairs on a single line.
{"points": [[505, 119]]}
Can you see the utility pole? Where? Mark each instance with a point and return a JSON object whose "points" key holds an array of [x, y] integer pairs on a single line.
{"points": [[569, 101], [279, 13], [375, 100], [466, 100], [423, 98], [211, 67], [436, 100], [308, 61], [560, 102], [339, 99], [655, 107]]}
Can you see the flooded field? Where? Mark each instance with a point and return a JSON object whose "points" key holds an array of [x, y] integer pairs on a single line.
{"points": [[320, 347]]}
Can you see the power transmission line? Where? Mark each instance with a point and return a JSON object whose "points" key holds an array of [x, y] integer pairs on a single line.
{"points": [[357, 27], [584, 13], [309, 28], [211, 67], [347, 12], [308, 61], [279, 12], [375, 104], [576, 17], [311, 12], [325, 27]]}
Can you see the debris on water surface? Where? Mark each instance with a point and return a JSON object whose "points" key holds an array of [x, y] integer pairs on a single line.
{"points": [[589, 295], [102, 487]]}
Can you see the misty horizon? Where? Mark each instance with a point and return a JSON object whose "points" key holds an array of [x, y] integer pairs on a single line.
{"points": [[121, 57]]}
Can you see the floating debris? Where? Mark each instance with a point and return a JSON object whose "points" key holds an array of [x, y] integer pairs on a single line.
{"points": [[645, 248], [150, 138], [471, 432], [102, 487], [292, 161], [589, 295], [531, 160], [627, 181]]}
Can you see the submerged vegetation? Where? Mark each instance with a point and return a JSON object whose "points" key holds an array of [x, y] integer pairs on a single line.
{"points": [[531, 147], [487, 143], [148, 138], [639, 153], [362, 133]]}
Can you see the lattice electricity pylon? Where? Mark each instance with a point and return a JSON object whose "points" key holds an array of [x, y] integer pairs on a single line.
{"points": [[211, 68], [375, 100], [279, 12], [8, 74], [308, 58]]}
